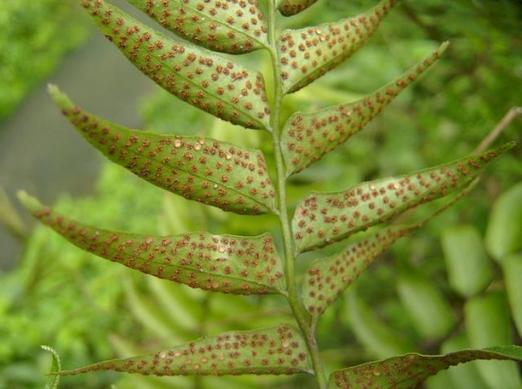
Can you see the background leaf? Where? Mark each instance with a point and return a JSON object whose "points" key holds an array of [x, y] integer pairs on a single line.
{"points": [[512, 269], [431, 314], [488, 323], [231, 27], [308, 136], [206, 170], [207, 81], [223, 263], [408, 371], [468, 266], [504, 233], [377, 337], [279, 350], [309, 53], [324, 218]]}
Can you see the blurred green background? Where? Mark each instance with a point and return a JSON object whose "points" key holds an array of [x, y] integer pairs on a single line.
{"points": [[457, 283]]}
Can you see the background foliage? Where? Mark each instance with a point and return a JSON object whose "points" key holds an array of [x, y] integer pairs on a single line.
{"points": [[424, 295], [35, 36]]}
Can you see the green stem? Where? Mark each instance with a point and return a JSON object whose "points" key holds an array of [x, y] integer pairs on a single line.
{"points": [[298, 310]]}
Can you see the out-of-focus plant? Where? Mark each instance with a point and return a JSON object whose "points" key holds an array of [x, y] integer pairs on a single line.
{"points": [[320, 220], [35, 36], [37, 306]]}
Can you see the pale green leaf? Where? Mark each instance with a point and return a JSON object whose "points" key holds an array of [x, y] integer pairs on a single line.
{"points": [[221, 263], [206, 170], [469, 268], [307, 137], [279, 350], [309, 53], [379, 339], [488, 323], [327, 278], [512, 268], [504, 232], [233, 27], [325, 218], [430, 312], [212, 83]]}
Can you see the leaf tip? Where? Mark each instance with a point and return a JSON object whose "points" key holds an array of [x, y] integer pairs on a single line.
{"points": [[443, 47], [60, 98], [30, 203], [56, 367]]}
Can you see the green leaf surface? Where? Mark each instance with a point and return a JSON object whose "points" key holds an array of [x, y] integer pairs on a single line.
{"points": [[279, 350], [203, 79], [307, 137], [325, 218], [431, 314], [504, 232], [441, 380], [469, 268], [293, 7], [221, 263], [378, 338], [206, 170], [327, 278], [410, 370], [512, 268], [233, 27], [309, 53], [488, 323]]}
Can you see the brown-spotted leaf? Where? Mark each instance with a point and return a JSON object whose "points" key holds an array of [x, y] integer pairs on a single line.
{"points": [[220, 263], [327, 278], [205, 170], [309, 53], [410, 370], [325, 218], [293, 7], [203, 79], [233, 27], [279, 350], [307, 137]]}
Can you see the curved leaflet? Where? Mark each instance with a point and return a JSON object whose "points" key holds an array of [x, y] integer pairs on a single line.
{"points": [[307, 137], [327, 278], [222, 263], [309, 53], [410, 370], [279, 350], [293, 7], [205, 80], [206, 170], [325, 218], [233, 27]]}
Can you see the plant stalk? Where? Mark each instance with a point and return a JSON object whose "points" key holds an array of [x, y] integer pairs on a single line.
{"points": [[298, 310]]}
